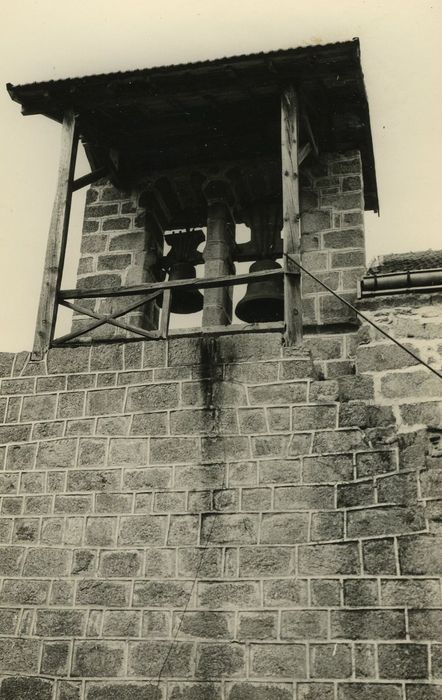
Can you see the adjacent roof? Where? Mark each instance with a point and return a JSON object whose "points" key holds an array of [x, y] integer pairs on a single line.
{"points": [[169, 116], [404, 262]]}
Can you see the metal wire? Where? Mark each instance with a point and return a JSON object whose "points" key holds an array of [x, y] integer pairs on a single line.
{"points": [[362, 315]]}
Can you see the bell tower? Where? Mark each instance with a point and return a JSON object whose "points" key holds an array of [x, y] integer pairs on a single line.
{"points": [[251, 170]]}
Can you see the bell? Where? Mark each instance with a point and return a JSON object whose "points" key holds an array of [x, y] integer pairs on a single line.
{"points": [[188, 300], [264, 299]]}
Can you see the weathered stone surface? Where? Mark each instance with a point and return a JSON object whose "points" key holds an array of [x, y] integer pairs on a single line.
{"points": [[98, 659], [278, 660], [26, 688], [123, 691], [403, 661]]}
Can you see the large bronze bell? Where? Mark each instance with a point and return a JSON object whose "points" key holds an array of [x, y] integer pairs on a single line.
{"points": [[264, 299], [187, 300]]}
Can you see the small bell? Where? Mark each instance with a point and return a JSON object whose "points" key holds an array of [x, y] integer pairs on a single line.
{"points": [[264, 299], [187, 300], [180, 265]]}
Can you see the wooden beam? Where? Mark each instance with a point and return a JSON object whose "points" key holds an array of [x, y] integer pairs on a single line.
{"points": [[89, 179], [165, 313], [57, 238], [291, 215], [196, 283]]}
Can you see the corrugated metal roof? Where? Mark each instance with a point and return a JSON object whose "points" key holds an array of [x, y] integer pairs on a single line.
{"points": [[182, 66], [403, 262]]}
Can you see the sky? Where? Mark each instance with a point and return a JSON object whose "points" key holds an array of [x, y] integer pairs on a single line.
{"points": [[50, 39]]}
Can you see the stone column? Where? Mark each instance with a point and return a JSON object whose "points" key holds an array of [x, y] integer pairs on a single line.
{"points": [[217, 254]]}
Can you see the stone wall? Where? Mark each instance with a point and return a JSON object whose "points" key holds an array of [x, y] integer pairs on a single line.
{"points": [[207, 519], [116, 244]]}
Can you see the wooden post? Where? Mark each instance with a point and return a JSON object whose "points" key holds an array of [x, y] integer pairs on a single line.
{"points": [[57, 238], [291, 216]]}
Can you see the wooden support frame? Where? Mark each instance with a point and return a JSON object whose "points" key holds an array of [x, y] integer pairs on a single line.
{"points": [[57, 239], [291, 215]]}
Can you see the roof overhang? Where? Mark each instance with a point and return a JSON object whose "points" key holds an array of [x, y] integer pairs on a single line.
{"points": [[228, 109]]}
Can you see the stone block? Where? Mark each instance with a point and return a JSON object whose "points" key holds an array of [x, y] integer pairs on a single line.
{"points": [[230, 529], [258, 691], [276, 394], [327, 526], [174, 450], [161, 594], [314, 417], [369, 691], [55, 658], [348, 238], [407, 661], [93, 480], [98, 659], [156, 624], [152, 397], [284, 528], [24, 592], [11, 559], [328, 468], [60, 360], [104, 402], [150, 658], [420, 554], [330, 661], [84, 562], [304, 624], [387, 520], [19, 655], [325, 592], [38, 407], [286, 593], [360, 592], [112, 594], [361, 493], [417, 383], [398, 489], [71, 404], [124, 691], [41, 560], [276, 471], [153, 478], [411, 593], [228, 595], [128, 452], [20, 457], [379, 557], [374, 463], [304, 497], [183, 529], [256, 499], [276, 445], [195, 691], [56, 454], [266, 561], [206, 562], [341, 440], [367, 624], [73, 504], [328, 559], [257, 625], [425, 624], [278, 660], [217, 660], [26, 688], [204, 624], [121, 623], [150, 424], [142, 529], [383, 356]]}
